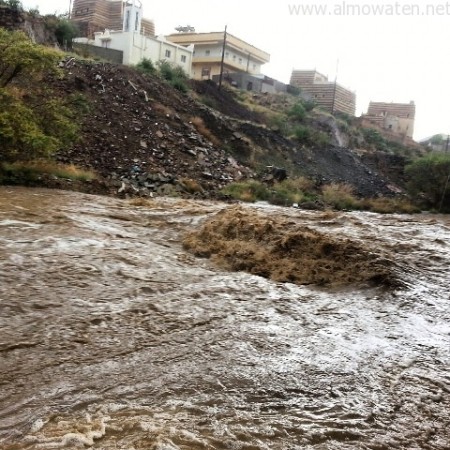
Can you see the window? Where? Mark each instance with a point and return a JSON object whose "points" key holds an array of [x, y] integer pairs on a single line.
{"points": [[206, 71], [240, 60], [127, 21], [168, 53], [234, 57], [208, 52], [136, 22], [227, 55], [254, 66], [183, 58], [81, 12]]}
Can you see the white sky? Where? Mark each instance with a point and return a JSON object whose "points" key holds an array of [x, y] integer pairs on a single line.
{"points": [[395, 55]]}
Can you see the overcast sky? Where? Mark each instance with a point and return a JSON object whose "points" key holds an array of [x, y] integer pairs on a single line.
{"points": [[387, 51]]}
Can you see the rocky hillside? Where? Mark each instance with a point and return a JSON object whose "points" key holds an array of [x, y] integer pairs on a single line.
{"points": [[148, 137]]}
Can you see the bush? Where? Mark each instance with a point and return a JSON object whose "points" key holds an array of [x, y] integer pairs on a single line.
{"points": [[279, 122], [320, 139], [247, 191], [174, 75], [179, 85], [28, 172], [429, 177], [384, 205], [303, 134], [340, 196], [284, 194], [374, 138], [309, 105], [146, 66], [297, 112]]}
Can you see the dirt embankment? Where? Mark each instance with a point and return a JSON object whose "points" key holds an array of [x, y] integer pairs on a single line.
{"points": [[144, 136]]}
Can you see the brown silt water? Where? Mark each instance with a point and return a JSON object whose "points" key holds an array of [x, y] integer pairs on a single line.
{"points": [[294, 330]]}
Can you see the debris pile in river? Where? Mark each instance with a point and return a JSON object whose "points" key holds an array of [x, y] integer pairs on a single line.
{"points": [[281, 250]]}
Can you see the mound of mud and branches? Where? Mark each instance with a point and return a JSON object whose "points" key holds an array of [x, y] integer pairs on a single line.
{"points": [[243, 240]]}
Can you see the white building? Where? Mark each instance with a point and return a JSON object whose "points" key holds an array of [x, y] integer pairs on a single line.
{"points": [[135, 46]]}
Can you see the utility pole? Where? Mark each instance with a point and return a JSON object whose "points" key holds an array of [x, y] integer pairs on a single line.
{"points": [[223, 57]]}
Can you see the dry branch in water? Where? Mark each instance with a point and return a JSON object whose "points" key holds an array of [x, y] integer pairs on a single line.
{"points": [[281, 250]]}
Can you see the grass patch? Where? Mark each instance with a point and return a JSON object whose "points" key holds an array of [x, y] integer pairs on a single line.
{"points": [[205, 131], [286, 193], [35, 170], [247, 191], [384, 205], [191, 186], [340, 196]]}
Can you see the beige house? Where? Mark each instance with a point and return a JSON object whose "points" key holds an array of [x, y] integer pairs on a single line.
{"points": [[239, 56], [328, 94], [396, 118]]}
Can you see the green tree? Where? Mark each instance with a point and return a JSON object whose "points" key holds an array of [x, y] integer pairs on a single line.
{"points": [[429, 176], [13, 4], [65, 32], [437, 139], [20, 58], [34, 123]]}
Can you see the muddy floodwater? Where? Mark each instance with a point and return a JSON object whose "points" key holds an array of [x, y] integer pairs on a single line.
{"points": [[114, 337]]}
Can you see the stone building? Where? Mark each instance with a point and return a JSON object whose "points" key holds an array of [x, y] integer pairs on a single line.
{"points": [[93, 16], [396, 118], [129, 45], [328, 94]]}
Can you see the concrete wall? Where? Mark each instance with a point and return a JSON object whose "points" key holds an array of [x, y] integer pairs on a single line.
{"points": [[135, 47], [108, 54], [249, 82]]}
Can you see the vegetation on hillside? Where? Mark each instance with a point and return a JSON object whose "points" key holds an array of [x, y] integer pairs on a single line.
{"points": [[430, 181], [303, 192], [174, 75], [34, 122]]}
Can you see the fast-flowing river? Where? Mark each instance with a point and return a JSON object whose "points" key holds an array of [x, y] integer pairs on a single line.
{"points": [[113, 337]]}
